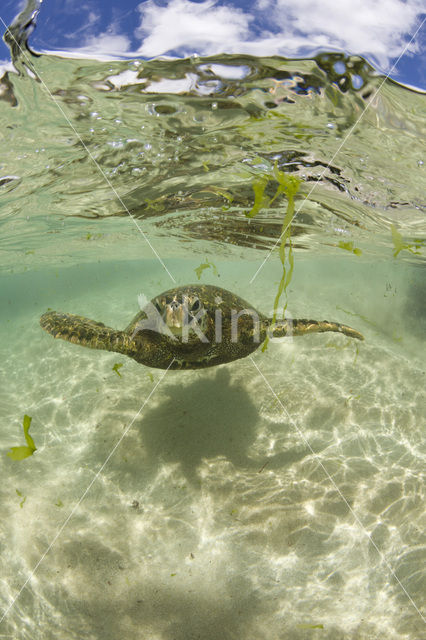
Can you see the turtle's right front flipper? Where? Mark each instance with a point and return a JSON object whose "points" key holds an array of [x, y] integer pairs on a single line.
{"points": [[83, 331]]}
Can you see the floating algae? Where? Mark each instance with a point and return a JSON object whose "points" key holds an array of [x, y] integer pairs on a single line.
{"points": [[289, 186], [400, 245], [19, 453], [205, 265], [116, 368]]}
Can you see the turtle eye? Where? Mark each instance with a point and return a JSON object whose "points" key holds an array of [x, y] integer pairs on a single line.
{"points": [[196, 305]]}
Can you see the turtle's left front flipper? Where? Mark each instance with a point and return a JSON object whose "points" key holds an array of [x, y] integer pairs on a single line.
{"points": [[83, 331], [301, 327]]}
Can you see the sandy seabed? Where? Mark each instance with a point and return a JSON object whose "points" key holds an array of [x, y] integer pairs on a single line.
{"points": [[227, 510]]}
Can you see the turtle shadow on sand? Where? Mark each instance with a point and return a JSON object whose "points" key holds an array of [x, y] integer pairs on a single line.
{"points": [[205, 419]]}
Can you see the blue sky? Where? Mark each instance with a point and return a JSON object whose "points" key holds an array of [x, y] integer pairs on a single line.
{"points": [[378, 30]]}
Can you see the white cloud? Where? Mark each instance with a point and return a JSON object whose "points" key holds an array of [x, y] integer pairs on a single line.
{"points": [[6, 65], [378, 28], [108, 44], [105, 46], [188, 27]]}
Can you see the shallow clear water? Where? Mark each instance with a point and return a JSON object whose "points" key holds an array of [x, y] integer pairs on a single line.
{"points": [[239, 503]]}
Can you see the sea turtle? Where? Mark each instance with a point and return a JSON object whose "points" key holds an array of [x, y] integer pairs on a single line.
{"points": [[189, 327]]}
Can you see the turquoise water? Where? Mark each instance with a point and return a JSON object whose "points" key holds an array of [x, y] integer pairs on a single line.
{"points": [[249, 500]]}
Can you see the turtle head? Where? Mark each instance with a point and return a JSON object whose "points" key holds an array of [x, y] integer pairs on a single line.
{"points": [[185, 315]]}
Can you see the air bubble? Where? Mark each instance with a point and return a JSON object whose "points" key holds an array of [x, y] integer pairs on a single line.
{"points": [[357, 81], [339, 67]]}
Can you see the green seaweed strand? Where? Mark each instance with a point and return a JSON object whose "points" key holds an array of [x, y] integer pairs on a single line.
{"points": [[22, 452], [289, 186], [260, 200]]}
